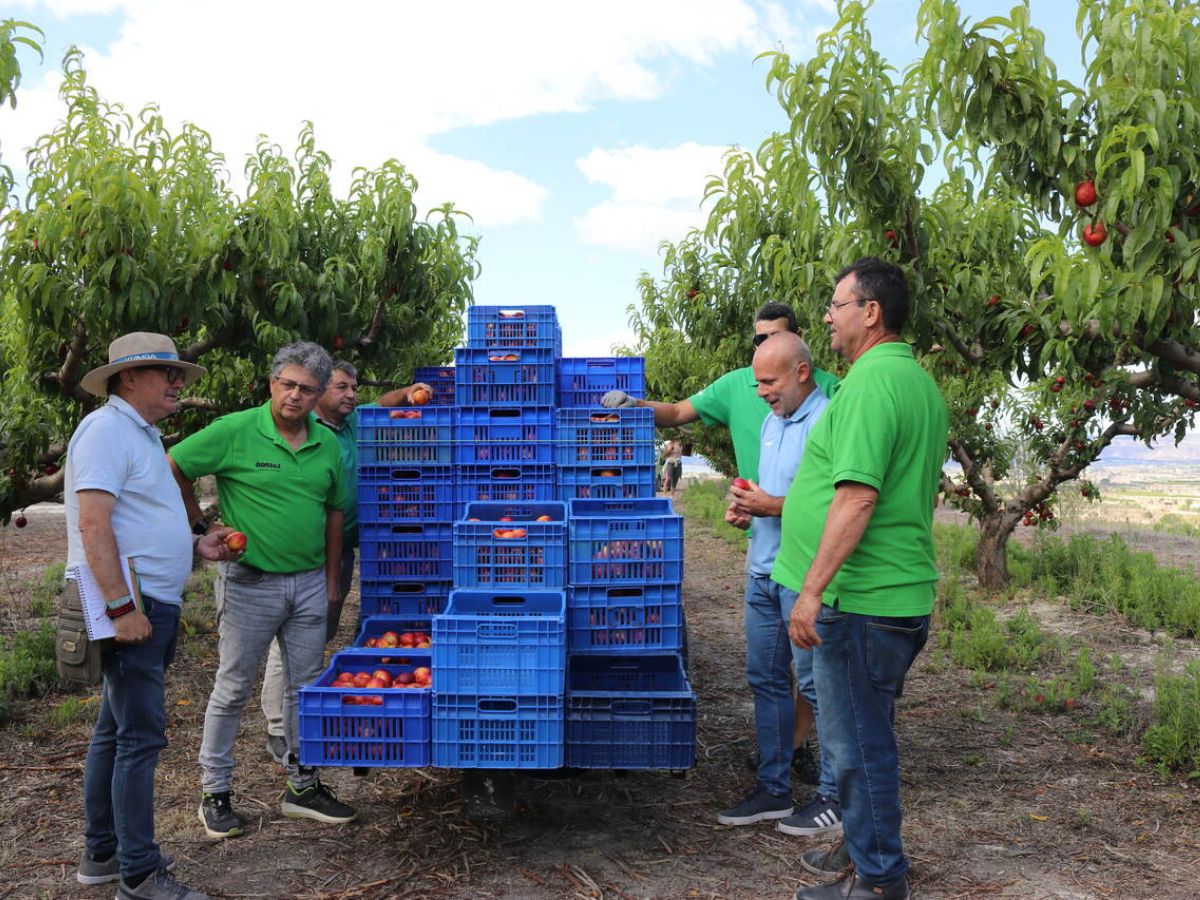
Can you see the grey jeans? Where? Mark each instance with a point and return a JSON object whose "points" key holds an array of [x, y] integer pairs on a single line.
{"points": [[271, 697], [255, 608]]}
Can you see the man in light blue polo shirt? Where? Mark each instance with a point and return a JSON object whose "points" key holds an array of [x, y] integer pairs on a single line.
{"points": [[783, 369]]}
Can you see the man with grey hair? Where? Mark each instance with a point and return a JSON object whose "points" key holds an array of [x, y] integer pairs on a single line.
{"points": [[783, 371], [337, 410], [279, 481]]}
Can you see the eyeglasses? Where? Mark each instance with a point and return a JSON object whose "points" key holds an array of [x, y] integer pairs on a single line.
{"points": [[306, 390], [758, 339], [832, 306], [173, 374]]}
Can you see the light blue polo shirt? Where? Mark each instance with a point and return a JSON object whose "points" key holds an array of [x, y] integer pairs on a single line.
{"points": [[781, 448], [116, 451]]}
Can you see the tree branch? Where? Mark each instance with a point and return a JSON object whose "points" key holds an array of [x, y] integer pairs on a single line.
{"points": [[1179, 355], [193, 352], [972, 354], [377, 318], [69, 371]]}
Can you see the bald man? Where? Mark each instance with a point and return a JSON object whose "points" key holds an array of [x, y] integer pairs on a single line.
{"points": [[783, 370]]}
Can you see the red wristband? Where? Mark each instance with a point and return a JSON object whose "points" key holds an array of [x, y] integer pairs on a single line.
{"points": [[127, 607]]}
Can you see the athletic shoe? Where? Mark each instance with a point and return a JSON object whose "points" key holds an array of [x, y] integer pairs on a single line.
{"points": [[758, 806], [161, 885], [218, 818], [92, 871], [827, 862], [854, 888], [316, 802], [819, 816]]}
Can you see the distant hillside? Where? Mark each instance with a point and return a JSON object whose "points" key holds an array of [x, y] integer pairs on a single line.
{"points": [[1125, 451]]}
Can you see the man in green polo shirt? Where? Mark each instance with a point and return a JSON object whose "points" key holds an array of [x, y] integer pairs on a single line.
{"points": [[279, 480], [337, 410], [732, 400], [857, 545]]}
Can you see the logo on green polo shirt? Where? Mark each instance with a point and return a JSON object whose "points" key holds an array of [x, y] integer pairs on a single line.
{"points": [[267, 465]]}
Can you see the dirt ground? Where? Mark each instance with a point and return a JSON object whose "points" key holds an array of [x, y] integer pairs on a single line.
{"points": [[998, 804]]}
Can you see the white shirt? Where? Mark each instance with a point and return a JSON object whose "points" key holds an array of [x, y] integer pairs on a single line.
{"points": [[115, 450]]}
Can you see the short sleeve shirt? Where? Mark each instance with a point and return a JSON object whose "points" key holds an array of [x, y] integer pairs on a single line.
{"points": [[276, 495], [732, 400], [116, 451], [886, 427], [783, 441]]}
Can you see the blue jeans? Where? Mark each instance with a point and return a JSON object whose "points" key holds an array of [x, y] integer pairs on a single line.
{"points": [[271, 696], [131, 729], [769, 655], [255, 608], [860, 667]]}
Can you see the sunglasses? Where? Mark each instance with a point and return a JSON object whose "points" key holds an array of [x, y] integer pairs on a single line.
{"points": [[758, 339], [173, 374]]}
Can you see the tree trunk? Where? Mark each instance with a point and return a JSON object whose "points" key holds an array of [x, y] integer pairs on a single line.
{"points": [[991, 561]]}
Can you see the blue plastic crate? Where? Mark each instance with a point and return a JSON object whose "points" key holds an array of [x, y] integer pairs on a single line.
{"points": [[515, 511], [513, 326], [527, 555], [509, 376], [374, 627], [583, 381], [625, 618], [506, 484], [630, 712], [392, 597], [589, 437], [509, 643], [417, 435], [405, 550], [372, 727], [500, 434], [388, 494], [497, 732], [624, 542], [440, 379], [608, 481]]}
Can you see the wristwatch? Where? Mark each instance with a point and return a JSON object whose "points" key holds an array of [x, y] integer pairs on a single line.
{"points": [[200, 526]]}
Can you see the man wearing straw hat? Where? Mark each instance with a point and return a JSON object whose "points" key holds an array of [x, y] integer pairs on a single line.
{"points": [[123, 507]]}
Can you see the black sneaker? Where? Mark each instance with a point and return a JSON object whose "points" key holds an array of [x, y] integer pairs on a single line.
{"points": [[160, 885], [758, 806], [218, 818], [819, 816], [316, 802], [854, 888], [827, 862]]}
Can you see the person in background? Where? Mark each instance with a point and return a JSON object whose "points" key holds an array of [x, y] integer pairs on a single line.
{"points": [[337, 410], [672, 465], [857, 546], [122, 505], [732, 400], [279, 480]]}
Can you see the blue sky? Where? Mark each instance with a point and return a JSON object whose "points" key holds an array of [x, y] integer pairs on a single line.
{"points": [[578, 135]]}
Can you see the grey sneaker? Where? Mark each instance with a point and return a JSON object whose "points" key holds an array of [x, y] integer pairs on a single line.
{"points": [[851, 887], [833, 861], [819, 816], [758, 806], [316, 802], [277, 748], [161, 885], [218, 818], [92, 871]]}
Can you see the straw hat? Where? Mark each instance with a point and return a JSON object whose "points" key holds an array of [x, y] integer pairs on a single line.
{"points": [[138, 348]]}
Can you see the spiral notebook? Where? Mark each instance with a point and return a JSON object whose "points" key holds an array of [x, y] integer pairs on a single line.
{"points": [[95, 611]]}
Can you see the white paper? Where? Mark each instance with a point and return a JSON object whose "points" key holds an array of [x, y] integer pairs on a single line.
{"points": [[95, 610]]}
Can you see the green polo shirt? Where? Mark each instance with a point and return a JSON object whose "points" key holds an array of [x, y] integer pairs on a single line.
{"points": [[886, 427], [276, 495], [346, 435], [732, 400]]}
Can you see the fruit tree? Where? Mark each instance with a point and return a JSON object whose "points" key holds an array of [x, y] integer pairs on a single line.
{"points": [[1050, 231], [127, 226]]}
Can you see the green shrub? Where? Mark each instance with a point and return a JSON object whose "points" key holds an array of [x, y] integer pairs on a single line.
{"points": [[1173, 740], [27, 666]]}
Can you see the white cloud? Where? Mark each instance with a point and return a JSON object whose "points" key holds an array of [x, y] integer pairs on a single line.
{"points": [[655, 194], [380, 79]]}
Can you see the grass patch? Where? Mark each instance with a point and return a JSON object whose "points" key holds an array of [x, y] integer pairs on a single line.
{"points": [[27, 666], [704, 502]]}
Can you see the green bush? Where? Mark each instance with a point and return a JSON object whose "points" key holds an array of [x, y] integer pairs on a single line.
{"points": [[1173, 740], [27, 666]]}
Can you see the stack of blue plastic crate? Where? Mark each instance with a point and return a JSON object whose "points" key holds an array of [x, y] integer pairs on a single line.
{"points": [[500, 648], [505, 389]]}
